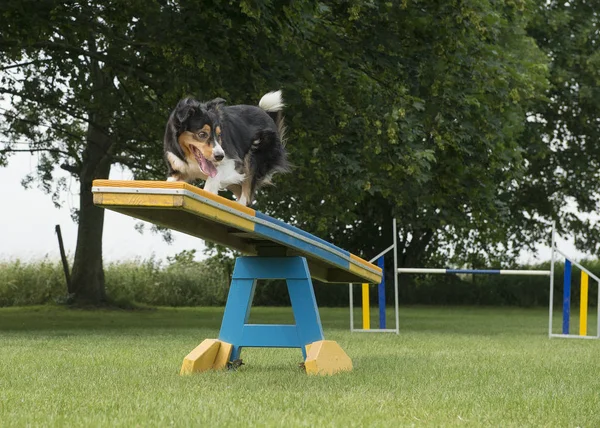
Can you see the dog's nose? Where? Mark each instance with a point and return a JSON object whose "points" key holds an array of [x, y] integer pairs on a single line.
{"points": [[219, 156]]}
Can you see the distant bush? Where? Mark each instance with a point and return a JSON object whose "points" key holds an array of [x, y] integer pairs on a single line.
{"points": [[179, 283], [182, 281], [30, 283]]}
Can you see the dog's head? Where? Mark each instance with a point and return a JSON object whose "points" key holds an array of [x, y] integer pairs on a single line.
{"points": [[193, 137]]}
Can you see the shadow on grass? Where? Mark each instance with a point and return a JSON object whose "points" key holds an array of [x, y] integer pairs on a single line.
{"points": [[63, 318], [429, 320], [52, 317]]}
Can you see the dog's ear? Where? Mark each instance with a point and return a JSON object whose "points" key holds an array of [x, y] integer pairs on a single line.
{"points": [[185, 108], [216, 103]]}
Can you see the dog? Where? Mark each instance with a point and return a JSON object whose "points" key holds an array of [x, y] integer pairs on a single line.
{"points": [[238, 147]]}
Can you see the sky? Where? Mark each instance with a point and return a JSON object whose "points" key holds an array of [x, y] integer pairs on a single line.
{"points": [[28, 218]]}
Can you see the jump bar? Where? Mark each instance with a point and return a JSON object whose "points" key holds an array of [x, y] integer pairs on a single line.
{"points": [[476, 271]]}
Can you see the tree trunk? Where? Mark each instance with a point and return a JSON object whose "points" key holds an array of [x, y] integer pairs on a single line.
{"points": [[88, 271]]}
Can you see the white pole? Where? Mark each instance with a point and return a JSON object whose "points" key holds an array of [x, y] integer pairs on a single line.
{"points": [[422, 270], [598, 315], [574, 263], [396, 276], [550, 304], [351, 307], [383, 253], [476, 271]]}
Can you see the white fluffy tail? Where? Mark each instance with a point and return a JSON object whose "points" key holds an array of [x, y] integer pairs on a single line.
{"points": [[271, 102]]}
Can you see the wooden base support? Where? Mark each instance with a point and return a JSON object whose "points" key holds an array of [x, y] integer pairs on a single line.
{"points": [[210, 354], [326, 357]]}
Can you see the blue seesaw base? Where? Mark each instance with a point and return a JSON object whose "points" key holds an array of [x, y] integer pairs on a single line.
{"points": [[235, 328], [321, 357]]}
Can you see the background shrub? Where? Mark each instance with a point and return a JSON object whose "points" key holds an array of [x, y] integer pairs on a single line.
{"points": [[182, 281]]}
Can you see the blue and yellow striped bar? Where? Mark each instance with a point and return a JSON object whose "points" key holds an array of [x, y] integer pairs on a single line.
{"points": [[191, 210]]}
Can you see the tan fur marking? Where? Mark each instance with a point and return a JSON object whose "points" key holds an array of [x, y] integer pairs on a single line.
{"points": [[188, 139], [236, 189], [184, 140], [206, 151]]}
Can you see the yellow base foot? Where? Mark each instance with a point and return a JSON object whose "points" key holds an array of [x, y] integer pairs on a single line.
{"points": [[210, 354], [326, 357]]}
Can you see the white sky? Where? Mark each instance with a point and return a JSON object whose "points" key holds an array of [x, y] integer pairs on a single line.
{"points": [[28, 217]]}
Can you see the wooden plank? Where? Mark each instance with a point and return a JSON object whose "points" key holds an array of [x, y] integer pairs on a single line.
{"points": [[173, 185], [219, 216], [129, 199], [190, 224], [229, 223]]}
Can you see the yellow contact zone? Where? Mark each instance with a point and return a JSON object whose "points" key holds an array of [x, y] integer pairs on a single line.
{"points": [[137, 200], [175, 185], [583, 305], [218, 215], [373, 278], [174, 201], [365, 263]]}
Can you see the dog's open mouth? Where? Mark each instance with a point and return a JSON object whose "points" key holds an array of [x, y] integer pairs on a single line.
{"points": [[206, 166]]}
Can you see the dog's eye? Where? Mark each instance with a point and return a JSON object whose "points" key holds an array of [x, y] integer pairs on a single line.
{"points": [[202, 135]]}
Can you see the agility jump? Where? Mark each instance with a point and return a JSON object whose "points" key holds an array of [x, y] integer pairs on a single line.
{"points": [[566, 302], [273, 249]]}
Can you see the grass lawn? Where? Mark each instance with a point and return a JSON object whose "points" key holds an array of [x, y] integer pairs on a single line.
{"points": [[449, 366]]}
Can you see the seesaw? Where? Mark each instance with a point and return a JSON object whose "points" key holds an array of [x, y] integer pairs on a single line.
{"points": [[273, 250]]}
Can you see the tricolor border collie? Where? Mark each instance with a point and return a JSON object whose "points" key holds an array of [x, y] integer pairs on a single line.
{"points": [[230, 147]]}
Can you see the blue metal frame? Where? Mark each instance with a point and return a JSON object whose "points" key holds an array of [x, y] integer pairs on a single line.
{"points": [[235, 328]]}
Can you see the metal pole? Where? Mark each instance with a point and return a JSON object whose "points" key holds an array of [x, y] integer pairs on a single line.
{"points": [[551, 303], [351, 307], [63, 258], [590, 274], [598, 315], [396, 276], [476, 271], [383, 253]]}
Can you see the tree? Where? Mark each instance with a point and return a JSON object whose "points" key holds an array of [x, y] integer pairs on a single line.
{"points": [[414, 110], [91, 84], [562, 180]]}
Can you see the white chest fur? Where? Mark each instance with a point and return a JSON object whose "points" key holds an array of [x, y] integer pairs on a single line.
{"points": [[226, 175]]}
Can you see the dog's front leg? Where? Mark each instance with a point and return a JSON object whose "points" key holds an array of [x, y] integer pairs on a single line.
{"points": [[212, 185]]}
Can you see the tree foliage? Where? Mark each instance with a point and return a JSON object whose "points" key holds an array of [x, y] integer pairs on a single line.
{"points": [[414, 112], [562, 181], [91, 83]]}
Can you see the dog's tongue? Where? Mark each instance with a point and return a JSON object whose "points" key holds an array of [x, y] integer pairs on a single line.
{"points": [[208, 168]]}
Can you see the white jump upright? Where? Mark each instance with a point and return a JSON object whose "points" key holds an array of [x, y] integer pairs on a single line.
{"points": [[366, 321]]}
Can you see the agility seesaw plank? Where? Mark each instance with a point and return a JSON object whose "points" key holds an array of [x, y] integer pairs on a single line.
{"points": [[274, 249], [191, 210]]}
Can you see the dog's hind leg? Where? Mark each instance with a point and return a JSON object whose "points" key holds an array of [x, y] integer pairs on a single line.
{"points": [[236, 189]]}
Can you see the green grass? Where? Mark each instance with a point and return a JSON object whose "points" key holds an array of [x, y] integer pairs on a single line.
{"points": [[449, 366]]}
